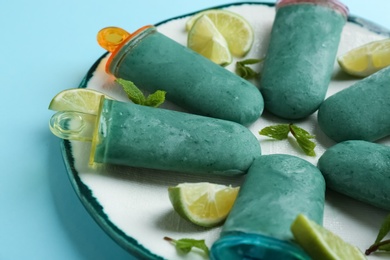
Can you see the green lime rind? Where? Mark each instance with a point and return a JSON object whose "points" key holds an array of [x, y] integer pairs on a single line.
{"points": [[234, 28], [194, 192], [320, 243], [176, 198]]}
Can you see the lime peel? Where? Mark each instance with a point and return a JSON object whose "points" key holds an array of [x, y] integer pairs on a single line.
{"points": [[366, 59], [320, 243], [205, 39], [78, 100], [234, 28], [204, 204]]}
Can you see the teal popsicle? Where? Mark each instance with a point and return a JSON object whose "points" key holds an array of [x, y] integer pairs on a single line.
{"points": [[301, 55], [360, 112], [359, 169], [153, 62], [276, 189], [128, 134]]}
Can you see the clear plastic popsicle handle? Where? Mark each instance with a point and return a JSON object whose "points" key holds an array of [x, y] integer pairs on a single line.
{"points": [[72, 125]]}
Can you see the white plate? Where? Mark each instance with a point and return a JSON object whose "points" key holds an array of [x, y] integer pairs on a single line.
{"points": [[132, 205]]}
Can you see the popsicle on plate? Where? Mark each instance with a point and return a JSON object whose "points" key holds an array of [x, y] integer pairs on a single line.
{"points": [[360, 112], [301, 56], [359, 169], [153, 62], [124, 133], [276, 189]]}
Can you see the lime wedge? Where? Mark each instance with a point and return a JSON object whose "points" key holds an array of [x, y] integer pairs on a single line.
{"points": [[320, 243], [205, 204], [78, 100], [366, 59], [236, 30], [205, 39]]}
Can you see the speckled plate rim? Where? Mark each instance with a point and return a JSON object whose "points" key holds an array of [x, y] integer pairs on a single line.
{"points": [[85, 194]]}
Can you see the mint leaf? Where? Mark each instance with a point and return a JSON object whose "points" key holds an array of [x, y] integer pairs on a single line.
{"points": [[379, 244], [306, 145], [185, 245], [384, 230], [302, 133], [245, 71], [155, 99], [136, 96], [132, 91], [279, 132], [303, 139], [385, 247]]}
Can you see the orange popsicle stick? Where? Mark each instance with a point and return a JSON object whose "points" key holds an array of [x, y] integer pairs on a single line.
{"points": [[111, 37]]}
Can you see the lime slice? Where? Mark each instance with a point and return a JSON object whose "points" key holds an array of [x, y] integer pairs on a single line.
{"points": [[367, 59], [235, 29], [205, 204], [205, 39], [320, 243], [78, 100]]}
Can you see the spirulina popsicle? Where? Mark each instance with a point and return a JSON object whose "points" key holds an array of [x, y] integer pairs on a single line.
{"points": [[276, 189], [153, 62], [301, 56], [359, 169], [147, 137], [360, 112]]}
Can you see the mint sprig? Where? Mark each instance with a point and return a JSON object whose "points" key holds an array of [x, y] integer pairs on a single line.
{"points": [[303, 139], [136, 96], [185, 245], [280, 132], [155, 99], [380, 244], [246, 72]]}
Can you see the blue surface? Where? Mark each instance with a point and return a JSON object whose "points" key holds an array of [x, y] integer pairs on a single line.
{"points": [[46, 47]]}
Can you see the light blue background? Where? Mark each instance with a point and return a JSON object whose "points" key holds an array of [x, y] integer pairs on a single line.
{"points": [[46, 47]]}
